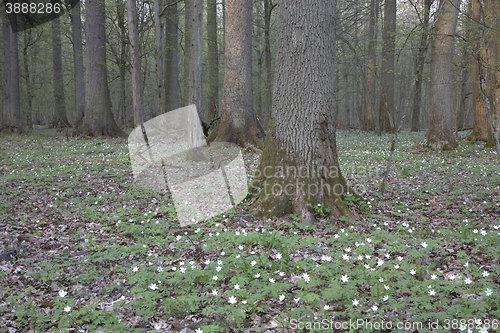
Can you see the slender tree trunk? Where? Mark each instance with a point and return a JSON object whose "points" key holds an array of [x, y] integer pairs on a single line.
{"points": [[213, 62], [27, 78], [15, 89], [192, 73], [371, 67], [387, 110], [7, 116], [299, 167], [193, 53], [466, 86], [258, 60], [98, 119], [419, 66], [491, 74], [238, 123], [78, 68], [160, 59], [135, 57], [268, 88], [172, 58], [481, 129], [59, 119], [121, 56], [440, 133]]}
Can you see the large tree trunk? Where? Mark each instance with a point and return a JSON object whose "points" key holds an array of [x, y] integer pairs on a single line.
{"points": [[238, 123], [440, 133], [98, 119], [213, 63], [172, 58], [371, 67], [76, 22], [299, 167], [59, 119], [419, 66], [135, 59], [387, 110], [160, 60]]}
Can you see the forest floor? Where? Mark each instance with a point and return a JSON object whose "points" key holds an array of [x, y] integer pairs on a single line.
{"points": [[95, 252]]}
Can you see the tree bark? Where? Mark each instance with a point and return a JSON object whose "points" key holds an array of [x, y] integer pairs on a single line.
{"points": [[238, 123], [268, 88], [213, 62], [193, 53], [419, 66], [98, 119], [59, 118], [440, 133], [387, 110], [6, 114], [490, 75], [27, 114], [17, 123], [299, 167], [76, 23], [160, 60], [481, 129], [135, 59], [192, 73], [172, 58], [371, 67]]}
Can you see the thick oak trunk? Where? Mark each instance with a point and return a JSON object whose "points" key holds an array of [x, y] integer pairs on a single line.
{"points": [[299, 166]]}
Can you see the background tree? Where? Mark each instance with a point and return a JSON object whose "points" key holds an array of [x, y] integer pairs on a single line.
{"points": [[387, 110], [160, 55], [371, 67], [419, 65], [301, 135], [6, 122], [268, 87], [489, 75], [29, 39], [135, 56], [440, 133], [171, 57], [238, 123], [98, 119], [78, 69], [193, 53], [13, 119], [120, 54], [481, 128], [59, 118], [212, 105]]}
